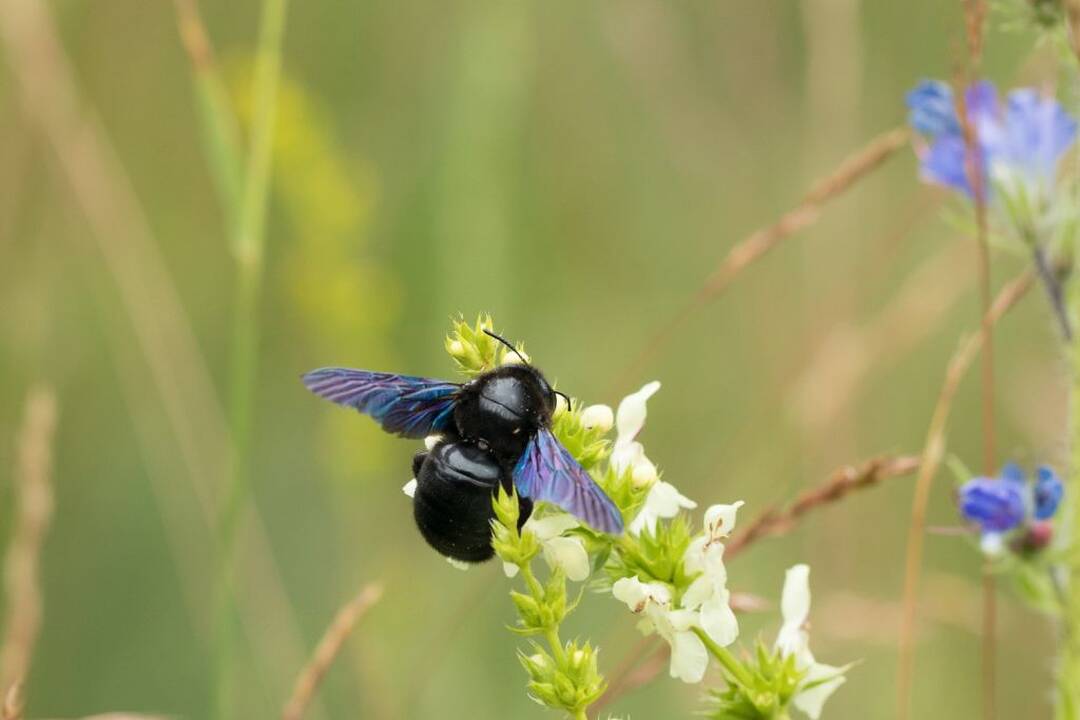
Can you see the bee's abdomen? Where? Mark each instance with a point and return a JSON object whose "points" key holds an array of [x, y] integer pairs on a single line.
{"points": [[452, 504]]}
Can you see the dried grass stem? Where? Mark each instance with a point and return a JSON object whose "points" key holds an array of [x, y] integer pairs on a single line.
{"points": [[22, 565], [307, 682]]}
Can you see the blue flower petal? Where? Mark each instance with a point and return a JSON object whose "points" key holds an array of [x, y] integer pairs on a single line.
{"points": [[944, 164], [931, 109], [1011, 472], [1038, 131], [995, 505], [1048, 493], [982, 103]]}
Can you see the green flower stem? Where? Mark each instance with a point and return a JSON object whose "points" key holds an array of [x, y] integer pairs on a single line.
{"points": [[534, 585], [580, 715], [221, 133], [248, 250], [551, 634], [725, 658]]}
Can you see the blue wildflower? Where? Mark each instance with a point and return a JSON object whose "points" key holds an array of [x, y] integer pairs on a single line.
{"points": [[933, 111], [1047, 493], [1001, 504], [1021, 143], [996, 505]]}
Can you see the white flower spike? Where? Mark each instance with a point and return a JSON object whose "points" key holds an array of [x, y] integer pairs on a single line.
{"points": [[689, 658], [708, 593], [794, 641]]}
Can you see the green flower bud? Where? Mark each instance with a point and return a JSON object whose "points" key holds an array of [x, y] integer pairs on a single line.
{"points": [[510, 545], [532, 618], [540, 666], [581, 435], [472, 350]]}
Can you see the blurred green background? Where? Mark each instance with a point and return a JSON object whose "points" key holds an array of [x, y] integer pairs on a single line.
{"points": [[576, 169]]}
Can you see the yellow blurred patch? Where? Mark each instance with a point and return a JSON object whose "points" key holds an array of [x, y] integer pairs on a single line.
{"points": [[344, 297]]}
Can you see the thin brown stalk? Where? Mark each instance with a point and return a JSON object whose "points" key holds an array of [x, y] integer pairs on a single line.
{"points": [[829, 382], [124, 716], [974, 21], [854, 168], [933, 451], [974, 24], [1072, 25], [219, 125], [842, 483], [851, 170], [975, 178], [22, 566], [327, 650], [12, 709], [193, 34]]}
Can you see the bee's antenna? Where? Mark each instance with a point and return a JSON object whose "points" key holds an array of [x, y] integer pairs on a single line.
{"points": [[507, 343], [564, 397]]}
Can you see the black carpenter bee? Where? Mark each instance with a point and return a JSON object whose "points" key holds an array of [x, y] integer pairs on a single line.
{"points": [[495, 430]]}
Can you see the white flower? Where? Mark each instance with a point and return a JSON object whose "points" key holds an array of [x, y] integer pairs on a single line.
{"points": [[630, 417], [663, 501], [689, 658], [708, 593], [409, 488], [992, 544], [794, 640], [598, 417], [560, 550], [626, 452]]}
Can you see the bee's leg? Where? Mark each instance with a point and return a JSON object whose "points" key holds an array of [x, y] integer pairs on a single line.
{"points": [[418, 462], [525, 508]]}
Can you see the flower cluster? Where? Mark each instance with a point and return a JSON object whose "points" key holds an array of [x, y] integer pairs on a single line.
{"points": [[677, 585], [1009, 507], [818, 680], [671, 577], [1019, 144], [1018, 147], [703, 606]]}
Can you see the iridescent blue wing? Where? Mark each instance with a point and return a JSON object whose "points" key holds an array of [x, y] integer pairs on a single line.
{"points": [[547, 471], [412, 407]]}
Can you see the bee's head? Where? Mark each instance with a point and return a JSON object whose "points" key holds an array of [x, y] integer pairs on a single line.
{"points": [[527, 369]]}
